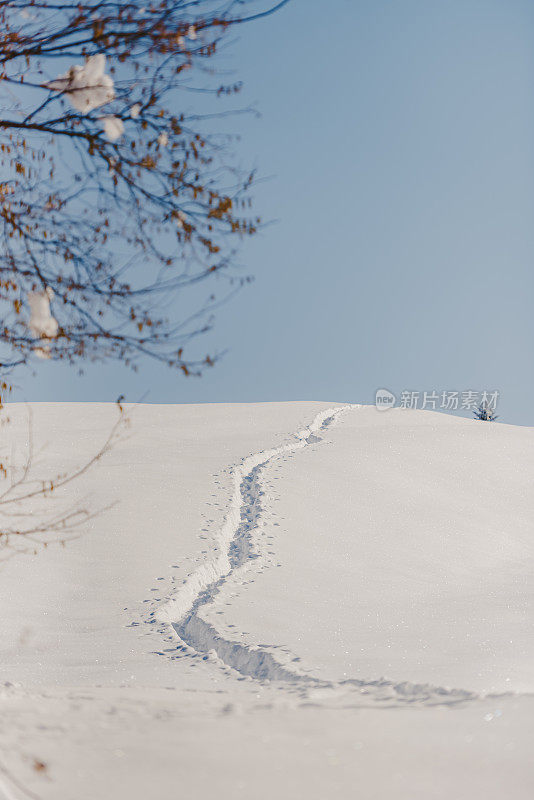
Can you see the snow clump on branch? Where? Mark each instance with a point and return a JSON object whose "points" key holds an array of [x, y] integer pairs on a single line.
{"points": [[113, 127], [86, 87], [43, 325]]}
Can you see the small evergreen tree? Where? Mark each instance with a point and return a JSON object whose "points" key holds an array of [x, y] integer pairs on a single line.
{"points": [[485, 412]]}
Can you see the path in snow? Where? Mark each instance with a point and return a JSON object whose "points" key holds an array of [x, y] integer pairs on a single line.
{"points": [[234, 550]]}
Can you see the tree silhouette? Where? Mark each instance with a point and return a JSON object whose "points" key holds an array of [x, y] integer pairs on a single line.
{"points": [[485, 412]]}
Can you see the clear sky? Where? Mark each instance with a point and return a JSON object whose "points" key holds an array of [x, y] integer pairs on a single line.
{"points": [[397, 137]]}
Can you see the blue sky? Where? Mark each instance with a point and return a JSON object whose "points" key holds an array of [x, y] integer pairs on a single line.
{"points": [[397, 139]]}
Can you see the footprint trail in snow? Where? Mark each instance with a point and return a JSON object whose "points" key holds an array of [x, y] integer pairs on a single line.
{"points": [[234, 550]]}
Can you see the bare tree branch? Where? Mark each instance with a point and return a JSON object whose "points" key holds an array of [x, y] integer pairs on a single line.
{"points": [[115, 195]]}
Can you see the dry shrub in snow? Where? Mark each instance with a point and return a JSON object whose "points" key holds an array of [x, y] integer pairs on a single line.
{"points": [[32, 515]]}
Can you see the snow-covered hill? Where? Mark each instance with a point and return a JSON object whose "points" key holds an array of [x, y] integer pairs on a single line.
{"points": [[293, 600]]}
